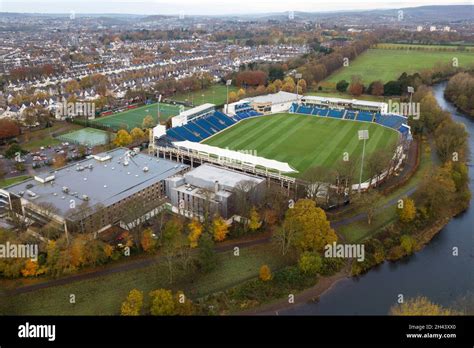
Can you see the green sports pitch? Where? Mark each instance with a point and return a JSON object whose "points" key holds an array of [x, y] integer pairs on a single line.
{"points": [[303, 141], [132, 118]]}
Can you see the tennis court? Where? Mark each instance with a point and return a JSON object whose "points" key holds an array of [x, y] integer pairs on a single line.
{"points": [[133, 118], [87, 137]]}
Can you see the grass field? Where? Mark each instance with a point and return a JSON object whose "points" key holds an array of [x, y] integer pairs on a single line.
{"points": [[303, 141], [134, 117], [389, 64], [11, 181], [425, 47], [87, 137], [217, 94], [104, 295]]}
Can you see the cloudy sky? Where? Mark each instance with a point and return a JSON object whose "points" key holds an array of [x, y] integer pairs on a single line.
{"points": [[210, 7]]}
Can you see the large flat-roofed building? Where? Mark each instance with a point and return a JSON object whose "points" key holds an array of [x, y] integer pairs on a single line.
{"points": [[117, 187], [213, 188]]}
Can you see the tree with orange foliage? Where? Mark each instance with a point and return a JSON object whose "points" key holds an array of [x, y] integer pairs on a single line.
{"points": [[220, 229], [195, 231], [265, 273], [30, 269]]}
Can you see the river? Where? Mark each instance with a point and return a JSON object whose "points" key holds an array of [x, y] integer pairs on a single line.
{"points": [[432, 272]]}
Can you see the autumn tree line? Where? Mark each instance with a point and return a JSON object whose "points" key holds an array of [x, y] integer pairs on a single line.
{"points": [[442, 193], [460, 91]]}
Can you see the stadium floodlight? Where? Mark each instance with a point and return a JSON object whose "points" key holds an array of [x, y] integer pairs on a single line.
{"points": [[298, 76], [410, 90], [227, 83], [363, 135], [158, 106]]}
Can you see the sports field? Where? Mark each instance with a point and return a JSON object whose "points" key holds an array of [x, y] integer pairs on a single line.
{"points": [[303, 141], [389, 64], [132, 118], [87, 137], [217, 94]]}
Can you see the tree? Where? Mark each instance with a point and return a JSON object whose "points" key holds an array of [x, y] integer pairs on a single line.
{"points": [[408, 243], [420, 306], [284, 238], [254, 221], [241, 93], [148, 122], [137, 134], [219, 229], [265, 273], [379, 162], [369, 203], [195, 231], [310, 262], [162, 302], [451, 140], [207, 257], [171, 243], [133, 304], [30, 269], [376, 88], [407, 212], [72, 86], [342, 85], [122, 138], [59, 161], [147, 242], [356, 88], [233, 97], [436, 192], [309, 225], [317, 178]]}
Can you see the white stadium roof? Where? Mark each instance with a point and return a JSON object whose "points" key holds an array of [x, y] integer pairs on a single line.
{"points": [[343, 100], [236, 156]]}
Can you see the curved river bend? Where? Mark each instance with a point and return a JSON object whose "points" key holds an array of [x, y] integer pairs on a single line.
{"points": [[431, 272]]}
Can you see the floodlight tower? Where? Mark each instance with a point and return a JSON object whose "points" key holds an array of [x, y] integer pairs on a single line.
{"points": [[410, 90], [363, 135], [298, 77]]}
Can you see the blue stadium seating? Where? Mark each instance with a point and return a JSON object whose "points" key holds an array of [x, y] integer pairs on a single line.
{"points": [[335, 113], [350, 115], [365, 116], [172, 134], [392, 121]]}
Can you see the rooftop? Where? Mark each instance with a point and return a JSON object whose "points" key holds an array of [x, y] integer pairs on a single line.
{"points": [[344, 100], [103, 179], [227, 179], [197, 109], [275, 98]]}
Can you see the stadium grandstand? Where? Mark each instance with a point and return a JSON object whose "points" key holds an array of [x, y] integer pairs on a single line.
{"points": [[191, 114], [396, 122], [344, 104], [265, 104]]}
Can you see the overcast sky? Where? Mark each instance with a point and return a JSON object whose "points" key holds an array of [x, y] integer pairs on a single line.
{"points": [[209, 7]]}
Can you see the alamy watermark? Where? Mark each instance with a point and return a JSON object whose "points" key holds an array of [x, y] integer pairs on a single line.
{"points": [[346, 251], [70, 109], [405, 109], [12, 250]]}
